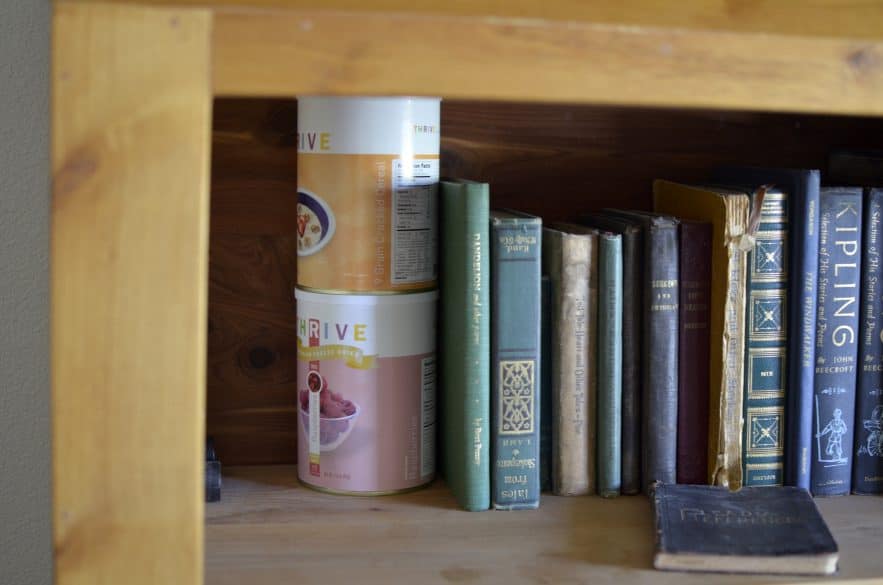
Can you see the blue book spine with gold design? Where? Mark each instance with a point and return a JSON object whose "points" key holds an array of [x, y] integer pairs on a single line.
{"points": [[840, 244], [802, 187], [766, 348], [516, 256], [867, 469]]}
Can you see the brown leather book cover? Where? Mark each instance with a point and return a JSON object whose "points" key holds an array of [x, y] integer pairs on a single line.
{"points": [[694, 347]]}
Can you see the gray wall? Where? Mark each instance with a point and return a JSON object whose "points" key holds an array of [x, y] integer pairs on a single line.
{"points": [[25, 535]]}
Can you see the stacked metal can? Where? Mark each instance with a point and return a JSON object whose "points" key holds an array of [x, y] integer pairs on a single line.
{"points": [[367, 277]]}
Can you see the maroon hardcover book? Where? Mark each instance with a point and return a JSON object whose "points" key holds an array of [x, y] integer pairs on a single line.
{"points": [[694, 347]]}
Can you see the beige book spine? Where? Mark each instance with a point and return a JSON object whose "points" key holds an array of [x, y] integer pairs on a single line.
{"points": [[592, 366], [566, 260]]}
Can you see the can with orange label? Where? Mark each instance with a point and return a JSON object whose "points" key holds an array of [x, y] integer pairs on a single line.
{"points": [[367, 176]]}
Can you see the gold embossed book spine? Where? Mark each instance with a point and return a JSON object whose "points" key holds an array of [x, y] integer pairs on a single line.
{"points": [[516, 249]]}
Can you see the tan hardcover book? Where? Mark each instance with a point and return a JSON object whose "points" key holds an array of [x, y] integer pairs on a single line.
{"points": [[570, 259], [728, 212]]}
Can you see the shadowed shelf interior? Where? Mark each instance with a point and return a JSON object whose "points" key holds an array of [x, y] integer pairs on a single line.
{"points": [[551, 159]]}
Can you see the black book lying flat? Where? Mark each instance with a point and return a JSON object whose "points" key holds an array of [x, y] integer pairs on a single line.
{"points": [[754, 530]]}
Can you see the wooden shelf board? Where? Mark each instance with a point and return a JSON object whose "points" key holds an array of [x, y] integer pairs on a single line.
{"points": [[764, 55], [829, 18], [269, 529], [288, 52]]}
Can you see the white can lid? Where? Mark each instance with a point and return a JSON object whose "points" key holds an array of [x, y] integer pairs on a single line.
{"points": [[365, 299]]}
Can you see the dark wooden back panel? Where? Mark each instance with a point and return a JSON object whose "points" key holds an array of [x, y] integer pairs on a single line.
{"points": [[551, 160]]}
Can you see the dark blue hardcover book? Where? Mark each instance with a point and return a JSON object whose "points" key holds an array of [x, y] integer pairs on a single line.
{"points": [[867, 468], [546, 385], [840, 244], [753, 530], [659, 403], [766, 344], [516, 257], [802, 187]]}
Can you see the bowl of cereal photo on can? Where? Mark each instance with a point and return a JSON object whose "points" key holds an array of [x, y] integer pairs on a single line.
{"points": [[315, 223]]}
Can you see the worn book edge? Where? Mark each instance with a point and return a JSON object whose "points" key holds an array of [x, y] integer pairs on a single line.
{"points": [[822, 564], [570, 283]]}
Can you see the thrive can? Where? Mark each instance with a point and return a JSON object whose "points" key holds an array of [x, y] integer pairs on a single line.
{"points": [[367, 182], [366, 391]]}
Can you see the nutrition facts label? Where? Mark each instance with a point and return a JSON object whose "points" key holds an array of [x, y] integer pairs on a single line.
{"points": [[427, 450], [414, 220]]}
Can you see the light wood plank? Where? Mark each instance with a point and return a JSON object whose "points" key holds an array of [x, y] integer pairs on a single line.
{"points": [[269, 530], [130, 156], [300, 52], [855, 19]]}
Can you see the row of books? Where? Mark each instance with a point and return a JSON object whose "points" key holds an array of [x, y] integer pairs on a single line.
{"points": [[715, 340]]}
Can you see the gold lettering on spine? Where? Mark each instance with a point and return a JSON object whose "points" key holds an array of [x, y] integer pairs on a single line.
{"points": [[476, 288], [476, 441]]}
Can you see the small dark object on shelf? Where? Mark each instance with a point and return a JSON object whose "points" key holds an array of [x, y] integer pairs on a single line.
{"points": [[212, 473]]}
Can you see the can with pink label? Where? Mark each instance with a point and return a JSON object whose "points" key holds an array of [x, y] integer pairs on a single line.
{"points": [[366, 391]]}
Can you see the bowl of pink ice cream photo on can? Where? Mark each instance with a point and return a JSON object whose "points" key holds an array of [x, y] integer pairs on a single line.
{"points": [[337, 415]]}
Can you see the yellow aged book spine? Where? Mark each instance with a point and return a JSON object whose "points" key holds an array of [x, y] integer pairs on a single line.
{"points": [[727, 470]]}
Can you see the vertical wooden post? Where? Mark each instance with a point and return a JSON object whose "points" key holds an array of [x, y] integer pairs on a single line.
{"points": [[131, 115]]}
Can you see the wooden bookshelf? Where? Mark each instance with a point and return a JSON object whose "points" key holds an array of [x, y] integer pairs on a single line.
{"points": [[268, 529], [554, 160], [596, 96]]}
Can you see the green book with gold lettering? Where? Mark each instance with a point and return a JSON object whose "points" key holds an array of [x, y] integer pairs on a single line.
{"points": [[465, 341]]}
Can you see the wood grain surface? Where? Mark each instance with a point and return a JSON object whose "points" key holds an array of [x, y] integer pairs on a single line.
{"points": [[830, 18], [131, 127], [552, 160], [267, 529], [314, 51], [252, 273]]}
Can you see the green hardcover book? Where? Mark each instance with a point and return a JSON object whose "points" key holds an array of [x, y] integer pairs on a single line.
{"points": [[465, 341], [766, 347], [609, 363], [516, 240]]}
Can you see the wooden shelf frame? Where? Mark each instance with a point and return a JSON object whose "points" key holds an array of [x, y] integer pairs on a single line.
{"points": [[133, 84]]}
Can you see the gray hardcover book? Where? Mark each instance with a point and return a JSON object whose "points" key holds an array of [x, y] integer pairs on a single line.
{"points": [[546, 386], [660, 345], [567, 259], [867, 468], [632, 349]]}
